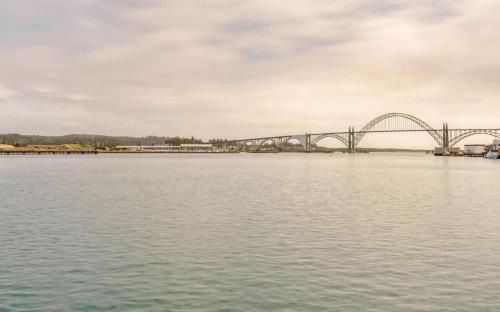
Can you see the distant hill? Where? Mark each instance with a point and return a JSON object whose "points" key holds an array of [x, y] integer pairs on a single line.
{"points": [[93, 140]]}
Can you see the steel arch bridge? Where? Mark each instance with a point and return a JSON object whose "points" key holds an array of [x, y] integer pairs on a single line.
{"points": [[397, 122], [386, 123]]}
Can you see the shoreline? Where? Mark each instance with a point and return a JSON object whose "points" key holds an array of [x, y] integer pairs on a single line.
{"points": [[95, 152]]}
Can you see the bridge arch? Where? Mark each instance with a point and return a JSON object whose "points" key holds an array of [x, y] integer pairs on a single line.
{"points": [[401, 117], [455, 140], [302, 144], [248, 143], [264, 141], [339, 137]]}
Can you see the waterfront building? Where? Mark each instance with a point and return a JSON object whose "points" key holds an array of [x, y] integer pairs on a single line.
{"points": [[197, 147], [475, 149], [170, 148]]}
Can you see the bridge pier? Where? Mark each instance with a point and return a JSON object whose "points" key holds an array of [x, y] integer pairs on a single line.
{"points": [[446, 136], [351, 141], [308, 147]]}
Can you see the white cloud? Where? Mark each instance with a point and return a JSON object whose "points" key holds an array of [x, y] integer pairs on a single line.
{"points": [[79, 97], [6, 93], [45, 89]]}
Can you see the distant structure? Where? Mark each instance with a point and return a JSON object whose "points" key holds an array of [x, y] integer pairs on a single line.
{"points": [[170, 148], [445, 137], [475, 149]]}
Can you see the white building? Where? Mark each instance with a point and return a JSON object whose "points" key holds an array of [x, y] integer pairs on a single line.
{"points": [[197, 147], [475, 149], [169, 148]]}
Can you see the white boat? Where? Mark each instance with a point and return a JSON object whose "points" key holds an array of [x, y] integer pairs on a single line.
{"points": [[494, 151]]}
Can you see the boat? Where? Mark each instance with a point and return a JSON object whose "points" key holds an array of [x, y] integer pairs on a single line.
{"points": [[494, 151]]}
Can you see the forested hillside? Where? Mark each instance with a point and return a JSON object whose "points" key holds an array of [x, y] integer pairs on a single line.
{"points": [[94, 140]]}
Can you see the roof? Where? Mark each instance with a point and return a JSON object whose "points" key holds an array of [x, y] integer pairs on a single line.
{"points": [[196, 145]]}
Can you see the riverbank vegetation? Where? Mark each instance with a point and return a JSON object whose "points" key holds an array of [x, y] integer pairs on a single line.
{"points": [[90, 140]]}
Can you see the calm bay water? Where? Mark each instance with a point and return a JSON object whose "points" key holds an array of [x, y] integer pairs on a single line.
{"points": [[249, 232]]}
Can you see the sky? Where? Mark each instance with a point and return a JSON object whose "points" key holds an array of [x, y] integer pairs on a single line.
{"points": [[239, 68]]}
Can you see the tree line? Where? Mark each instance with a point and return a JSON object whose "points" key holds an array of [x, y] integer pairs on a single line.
{"points": [[94, 140]]}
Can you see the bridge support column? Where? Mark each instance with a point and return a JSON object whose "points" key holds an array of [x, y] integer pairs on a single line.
{"points": [[446, 136], [308, 146], [351, 141]]}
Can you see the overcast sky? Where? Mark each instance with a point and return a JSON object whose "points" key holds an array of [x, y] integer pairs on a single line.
{"points": [[231, 68]]}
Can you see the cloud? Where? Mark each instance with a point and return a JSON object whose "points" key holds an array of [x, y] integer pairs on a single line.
{"points": [[6, 93], [246, 68], [45, 89], [79, 97]]}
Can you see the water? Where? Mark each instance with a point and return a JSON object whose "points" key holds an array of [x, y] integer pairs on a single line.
{"points": [[249, 232]]}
